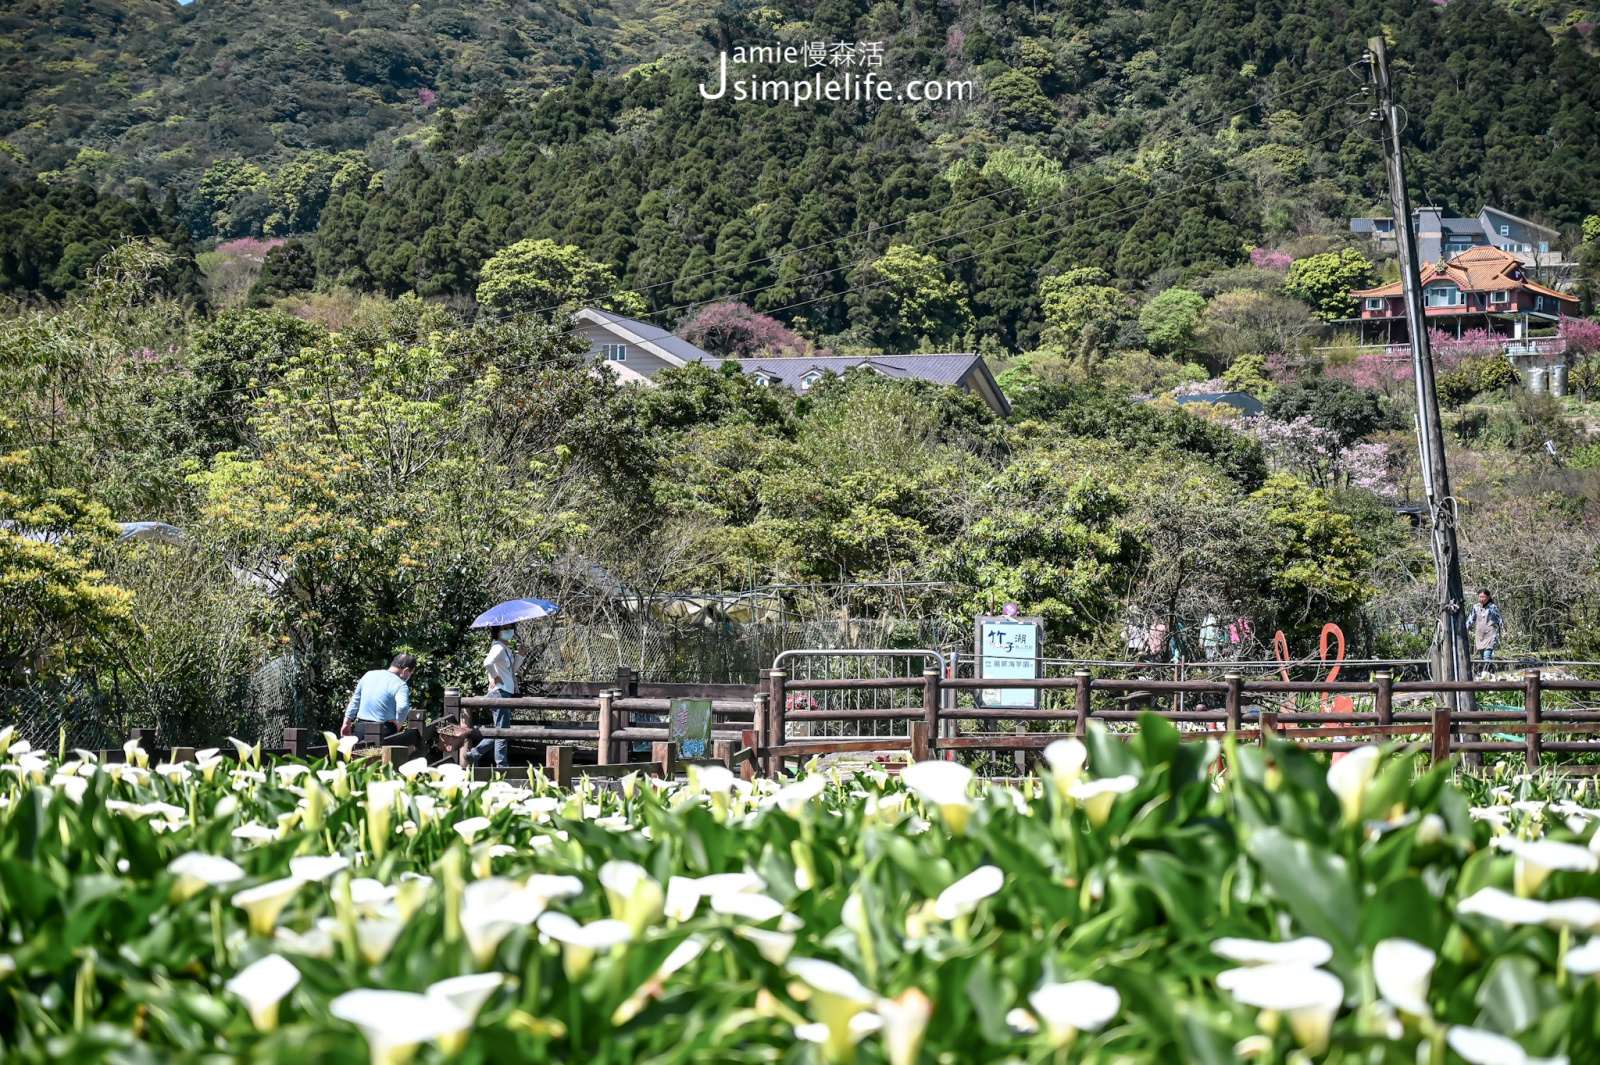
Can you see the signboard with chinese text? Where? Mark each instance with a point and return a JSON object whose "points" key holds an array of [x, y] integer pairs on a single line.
{"points": [[1007, 648]]}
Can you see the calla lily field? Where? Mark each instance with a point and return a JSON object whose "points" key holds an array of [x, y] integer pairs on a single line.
{"points": [[1145, 899]]}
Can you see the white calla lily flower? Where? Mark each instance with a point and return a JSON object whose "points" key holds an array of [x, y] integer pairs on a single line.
{"points": [[1308, 998], [1403, 969], [635, 896], [1021, 1021], [254, 832], [795, 799], [1584, 960], [1537, 859], [962, 897], [905, 1022], [410, 770], [395, 1023], [1479, 1047], [248, 754], [491, 908], [471, 827], [261, 985], [1307, 950], [196, 872], [467, 993], [775, 947], [1097, 796], [751, 907], [263, 904], [1066, 759], [1502, 906], [837, 999], [316, 868], [580, 943], [375, 937], [1575, 915], [942, 784], [1073, 1007], [1349, 777]]}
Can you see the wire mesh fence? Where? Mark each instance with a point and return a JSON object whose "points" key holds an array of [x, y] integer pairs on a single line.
{"points": [[95, 712], [723, 653]]}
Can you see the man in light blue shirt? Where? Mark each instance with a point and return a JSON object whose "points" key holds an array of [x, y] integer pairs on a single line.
{"points": [[382, 695]]}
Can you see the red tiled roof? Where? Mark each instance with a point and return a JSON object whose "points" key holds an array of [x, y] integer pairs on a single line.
{"points": [[1479, 270]]}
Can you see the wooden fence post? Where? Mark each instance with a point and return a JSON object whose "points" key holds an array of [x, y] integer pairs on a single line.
{"points": [[296, 741], [627, 682], [760, 726], [391, 754], [777, 729], [752, 740], [1441, 733], [722, 751], [1020, 757], [1269, 724], [1233, 703], [1383, 698], [919, 741], [558, 765], [452, 704], [1081, 728], [1533, 699], [605, 753], [181, 754], [464, 716], [666, 754], [931, 681]]}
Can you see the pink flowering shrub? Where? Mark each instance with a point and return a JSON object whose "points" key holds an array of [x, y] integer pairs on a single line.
{"points": [[426, 97], [737, 330], [1448, 349], [1581, 334], [250, 249], [1313, 454], [1270, 260]]}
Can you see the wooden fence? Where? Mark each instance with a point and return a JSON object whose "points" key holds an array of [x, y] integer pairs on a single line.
{"points": [[761, 729], [598, 728]]}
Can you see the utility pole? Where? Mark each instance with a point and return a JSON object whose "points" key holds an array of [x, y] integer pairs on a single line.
{"points": [[1452, 650]]}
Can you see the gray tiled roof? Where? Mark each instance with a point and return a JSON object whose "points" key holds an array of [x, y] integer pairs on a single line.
{"points": [[662, 339], [946, 369]]}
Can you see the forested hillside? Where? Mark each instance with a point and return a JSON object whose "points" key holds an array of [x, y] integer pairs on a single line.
{"points": [[113, 91], [1157, 142]]}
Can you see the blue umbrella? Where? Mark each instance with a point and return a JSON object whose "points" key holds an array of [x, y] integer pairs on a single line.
{"points": [[515, 610]]}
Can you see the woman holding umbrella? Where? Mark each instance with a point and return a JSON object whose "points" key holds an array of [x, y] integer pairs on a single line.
{"points": [[501, 664]]}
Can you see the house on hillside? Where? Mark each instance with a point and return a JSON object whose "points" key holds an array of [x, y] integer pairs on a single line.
{"points": [[1440, 237], [1484, 288], [637, 351], [966, 371]]}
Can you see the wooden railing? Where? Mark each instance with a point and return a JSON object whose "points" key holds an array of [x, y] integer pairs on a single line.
{"points": [[758, 731], [1249, 710]]}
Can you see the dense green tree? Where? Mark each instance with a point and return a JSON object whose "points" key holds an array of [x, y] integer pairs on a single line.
{"points": [[1333, 405], [1314, 560], [907, 301], [1170, 318], [288, 268], [543, 276], [1083, 309], [51, 238], [1326, 281]]}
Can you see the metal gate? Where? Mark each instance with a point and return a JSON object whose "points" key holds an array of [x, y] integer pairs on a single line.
{"points": [[835, 663]]}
